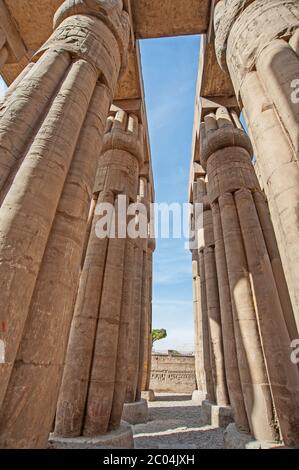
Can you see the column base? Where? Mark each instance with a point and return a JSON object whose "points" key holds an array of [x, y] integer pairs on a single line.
{"points": [[135, 413], [148, 395], [214, 415], [234, 439], [198, 397], [122, 438]]}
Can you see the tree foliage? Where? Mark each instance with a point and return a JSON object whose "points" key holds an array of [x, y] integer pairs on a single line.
{"points": [[157, 335]]}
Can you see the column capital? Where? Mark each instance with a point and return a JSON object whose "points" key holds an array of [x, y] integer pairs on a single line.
{"points": [[220, 130], [226, 152], [99, 8], [125, 132], [243, 28], [122, 155], [95, 30]]}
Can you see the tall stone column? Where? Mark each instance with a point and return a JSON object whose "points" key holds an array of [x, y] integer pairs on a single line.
{"points": [[269, 380], [144, 199], [148, 344], [229, 346], [215, 409], [135, 409], [257, 43], [213, 309], [200, 393], [51, 129], [94, 378], [204, 379]]}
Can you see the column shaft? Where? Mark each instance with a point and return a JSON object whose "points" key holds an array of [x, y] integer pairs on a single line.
{"points": [[148, 327], [74, 388], [134, 328], [228, 334], [26, 216], [49, 317], [262, 338], [50, 116], [208, 376], [94, 383], [283, 374], [104, 361], [213, 309], [121, 369]]}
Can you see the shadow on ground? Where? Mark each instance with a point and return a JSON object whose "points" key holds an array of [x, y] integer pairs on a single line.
{"points": [[175, 423], [173, 397]]}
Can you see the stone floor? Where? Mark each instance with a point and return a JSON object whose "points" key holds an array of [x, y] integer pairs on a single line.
{"points": [[174, 423]]}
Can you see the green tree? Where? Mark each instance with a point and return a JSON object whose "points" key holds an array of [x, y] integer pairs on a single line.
{"points": [[157, 335]]}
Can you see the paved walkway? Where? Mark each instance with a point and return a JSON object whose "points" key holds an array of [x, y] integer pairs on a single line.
{"points": [[174, 423]]}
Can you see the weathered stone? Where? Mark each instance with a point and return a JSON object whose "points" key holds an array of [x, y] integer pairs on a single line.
{"points": [[136, 412], [173, 374], [94, 380], [148, 395], [217, 416], [121, 438], [198, 396], [263, 66], [54, 105], [246, 252]]}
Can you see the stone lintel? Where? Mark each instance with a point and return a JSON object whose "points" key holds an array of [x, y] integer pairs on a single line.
{"points": [[211, 104], [129, 105], [153, 19]]}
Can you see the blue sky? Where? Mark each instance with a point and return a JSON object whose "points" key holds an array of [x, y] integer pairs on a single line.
{"points": [[170, 72]]}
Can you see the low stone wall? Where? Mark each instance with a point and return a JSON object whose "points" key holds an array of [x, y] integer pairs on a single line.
{"points": [[173, 373]]}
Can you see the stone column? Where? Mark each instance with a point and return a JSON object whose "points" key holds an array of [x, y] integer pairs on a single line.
{"points": [[200, 394], [208, 384], [205, 387], [147, 393], [145, 200], [257, 43], [213, 308], [51, 130], [135, 409], [270, 382], [229, 346], [215, 410], [94, 378]]}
